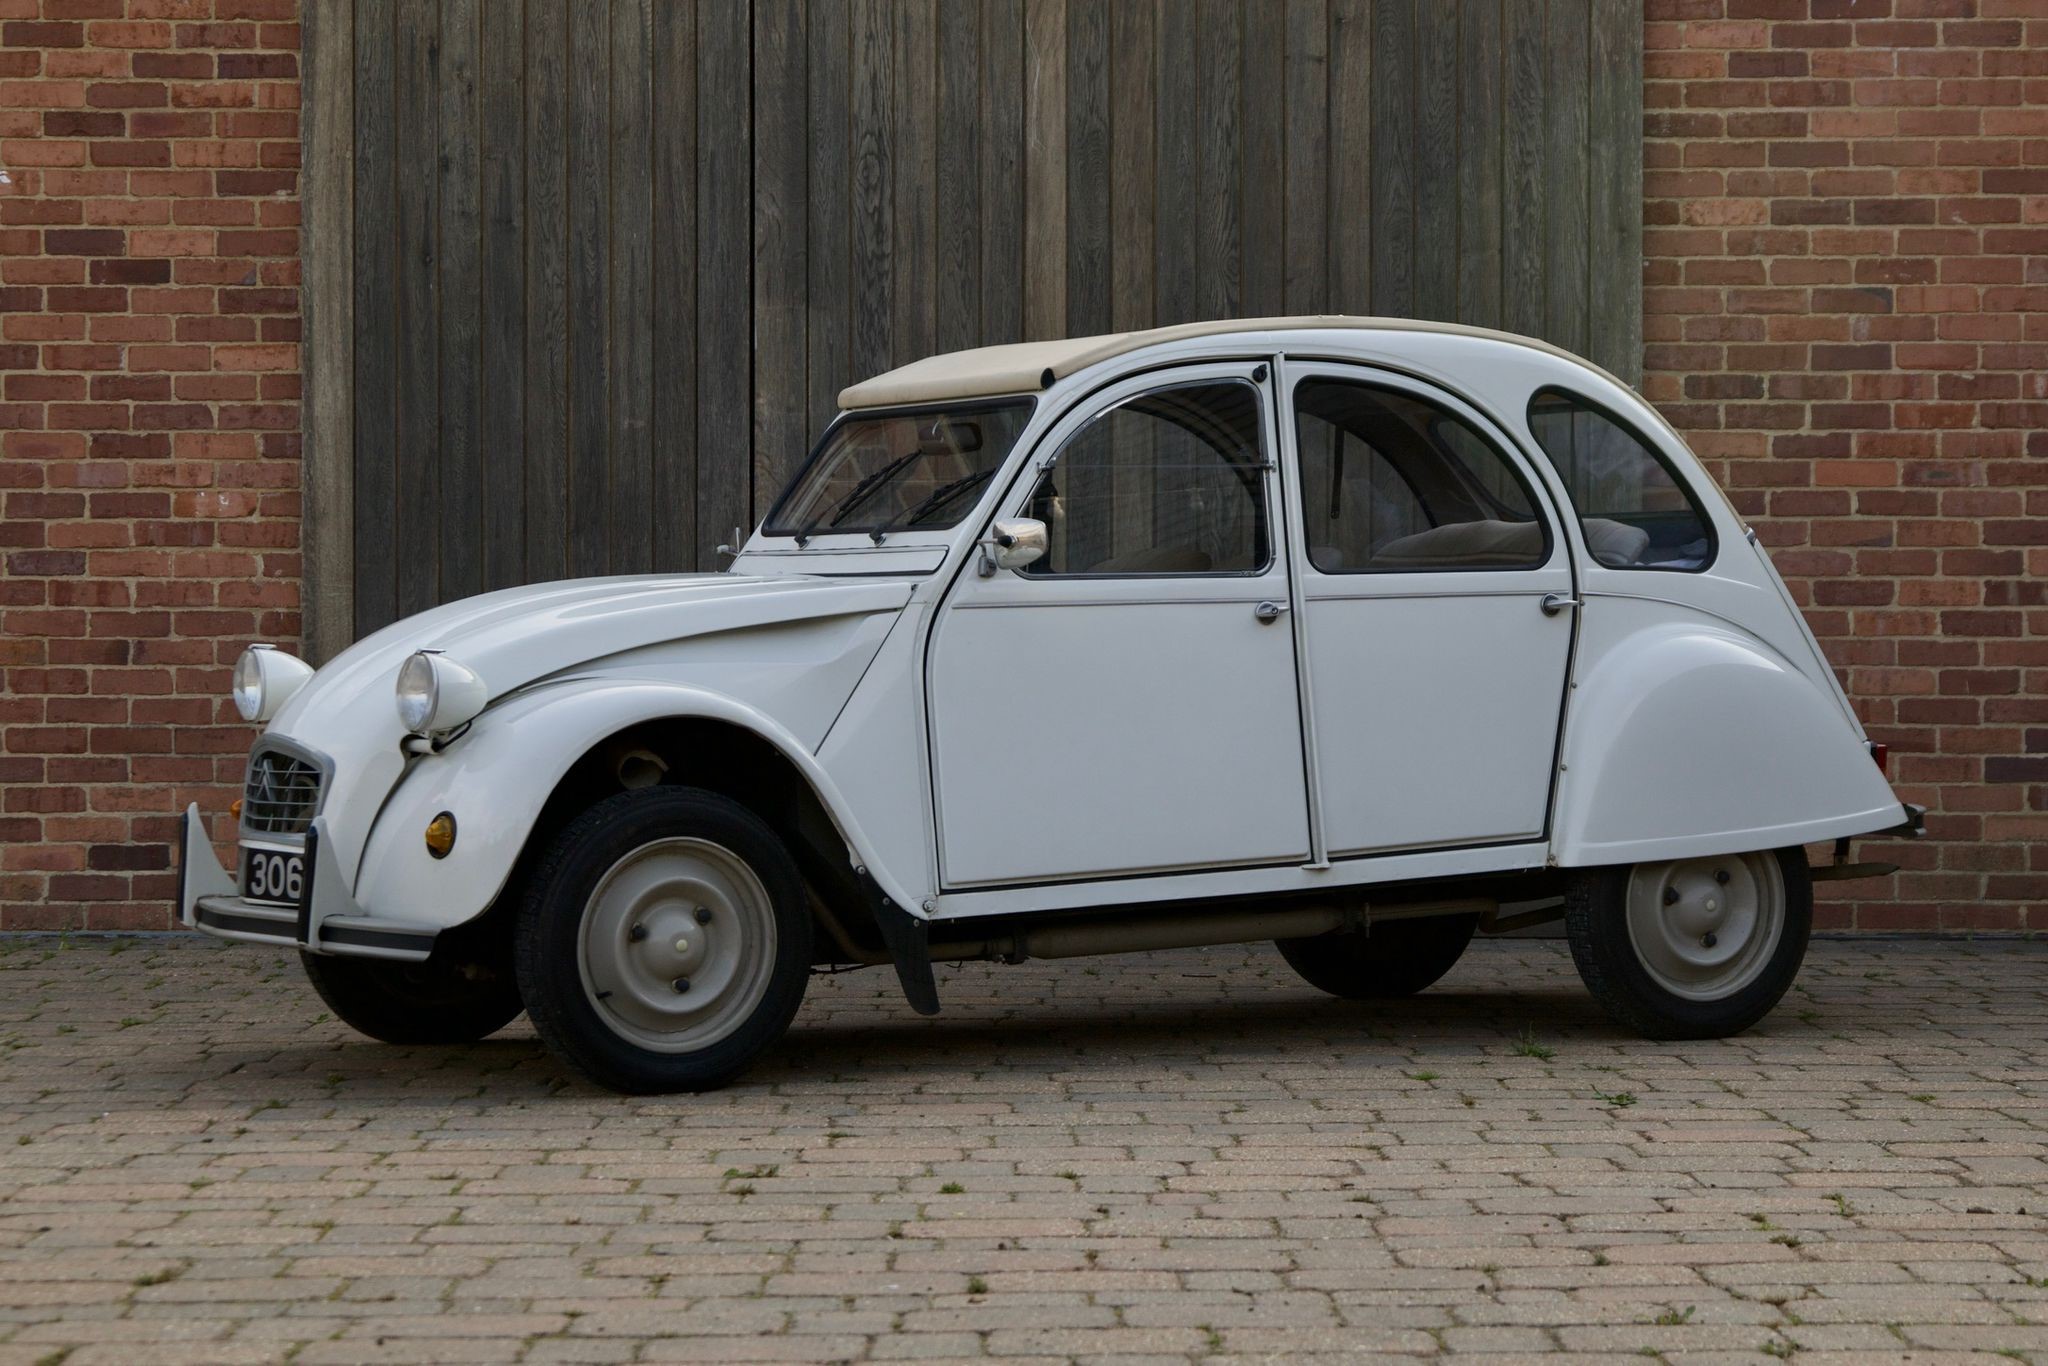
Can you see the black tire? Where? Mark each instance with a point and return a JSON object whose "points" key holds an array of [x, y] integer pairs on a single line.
{"points": [[450, 998], [573, 1020], [1394, 958], [1604, 947]]}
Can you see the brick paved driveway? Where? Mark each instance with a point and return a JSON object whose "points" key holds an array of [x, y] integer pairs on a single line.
{"points": [[1170, 1156]]}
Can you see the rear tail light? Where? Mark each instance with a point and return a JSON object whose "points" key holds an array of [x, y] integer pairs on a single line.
{"points": [[1881, 756]]}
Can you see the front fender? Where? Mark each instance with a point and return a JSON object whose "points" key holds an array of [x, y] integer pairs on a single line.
{"points": [[1691, 737], [496, 779]]}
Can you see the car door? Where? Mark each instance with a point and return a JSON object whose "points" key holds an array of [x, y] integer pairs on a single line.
{"points": [[1436, 595], [1128, 703]]}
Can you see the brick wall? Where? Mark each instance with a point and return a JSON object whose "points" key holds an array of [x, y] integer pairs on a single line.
{"points": [[1847, 313], [148, 427]]}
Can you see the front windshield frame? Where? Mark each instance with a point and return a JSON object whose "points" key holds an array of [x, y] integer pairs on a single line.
{"points": [[779, 522]]}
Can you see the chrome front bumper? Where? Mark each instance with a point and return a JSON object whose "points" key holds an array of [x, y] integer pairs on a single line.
{"points": [[326, 921]]}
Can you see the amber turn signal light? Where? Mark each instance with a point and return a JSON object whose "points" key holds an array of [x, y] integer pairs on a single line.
{"points": [[235, 809], [441, 834]]}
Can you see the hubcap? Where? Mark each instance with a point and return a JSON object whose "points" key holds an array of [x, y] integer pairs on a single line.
{"points": [[677, 945], [1705, 928]]}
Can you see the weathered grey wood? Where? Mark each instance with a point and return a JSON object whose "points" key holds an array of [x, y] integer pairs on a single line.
{"points": [[1435, 64], [1393, 157], [546, 399], [781, 218], [590, 273], [1614, 300], [1522, 154], [327, 197], [630, 252], [1564, 176], [457, 458], [1133, 174], [724, 290], [1045, 168], [413, 343], [674, 266], [1480, 74], [1087, 175], [501, 430], [1307, 132]]}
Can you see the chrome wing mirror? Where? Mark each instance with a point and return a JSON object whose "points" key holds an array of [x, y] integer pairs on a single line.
{"points": [[1011, 545]]}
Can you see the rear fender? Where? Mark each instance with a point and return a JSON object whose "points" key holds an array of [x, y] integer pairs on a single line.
{"points": [[498, 777]]}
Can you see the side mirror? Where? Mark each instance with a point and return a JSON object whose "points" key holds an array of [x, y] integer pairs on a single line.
{"points": [[1012, 544]]}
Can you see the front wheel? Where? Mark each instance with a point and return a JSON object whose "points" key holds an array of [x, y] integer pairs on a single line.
{"points": [[665, 941], [1697, 948]]}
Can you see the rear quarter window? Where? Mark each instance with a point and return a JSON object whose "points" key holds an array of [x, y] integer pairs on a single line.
{"points": [[1633, 509]]}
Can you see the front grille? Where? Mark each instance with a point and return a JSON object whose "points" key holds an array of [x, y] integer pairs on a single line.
{"points": [[282, 795]]}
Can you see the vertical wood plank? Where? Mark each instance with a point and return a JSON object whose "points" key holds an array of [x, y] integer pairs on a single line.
{"points": [[827, 296], [873, 228], [957, 182], [1002, 171], [914, 169], [1615, 307], [1133, 175], [725, 289], [375, 448], [1177, 139], [629, 251], [1262, 220], [1564, 177], [1219, 43], [457, 458], [1307, 113], [1087, 174], [589, 455], [417, 323], [674, 265], [327, 600], [1479, 162], [547, 290], [1435, 63], [1350, 155], [1522, 153], [1393, 158], [501, 430], [781, 217], [1045, 168]]}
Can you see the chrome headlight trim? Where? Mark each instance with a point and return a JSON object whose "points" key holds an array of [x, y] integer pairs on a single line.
{"points": [[434, 694], [265, 679]]}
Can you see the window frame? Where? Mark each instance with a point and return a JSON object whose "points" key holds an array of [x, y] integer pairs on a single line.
{"points": [[1657, 453], [1503, 450], [1265, 469]]}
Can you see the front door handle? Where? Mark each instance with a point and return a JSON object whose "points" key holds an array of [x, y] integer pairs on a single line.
{"points": [[1269, 611], [1553, 603]]}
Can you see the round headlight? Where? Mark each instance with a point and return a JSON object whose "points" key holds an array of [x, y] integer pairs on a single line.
{"points": [[265, 679], [435, 694]]}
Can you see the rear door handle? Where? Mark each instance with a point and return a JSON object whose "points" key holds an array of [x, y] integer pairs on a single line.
{"points": [[1269, 611], [1553, 603]]}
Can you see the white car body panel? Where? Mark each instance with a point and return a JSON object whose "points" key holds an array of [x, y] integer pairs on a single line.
{"points": [[1699, 714]]}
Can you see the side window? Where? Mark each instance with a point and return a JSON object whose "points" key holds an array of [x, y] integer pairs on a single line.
{"points": [[1170, 482], [1392, 483], [1634, 511]]}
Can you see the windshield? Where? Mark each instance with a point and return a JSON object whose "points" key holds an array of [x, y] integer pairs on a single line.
{"points": [[921, 468]]}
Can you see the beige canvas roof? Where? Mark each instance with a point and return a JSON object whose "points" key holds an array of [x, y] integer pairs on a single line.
{"points": [[1021, 366]]}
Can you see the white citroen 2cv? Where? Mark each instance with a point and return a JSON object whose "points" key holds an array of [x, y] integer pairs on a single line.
{"points": [[1360, 635]]}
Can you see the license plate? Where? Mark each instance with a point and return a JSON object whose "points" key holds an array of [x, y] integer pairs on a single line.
{"points": [[276, 876]]}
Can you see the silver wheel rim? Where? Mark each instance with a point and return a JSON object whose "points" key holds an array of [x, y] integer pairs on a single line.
{"points": [[1705, 928], [677, 945]]}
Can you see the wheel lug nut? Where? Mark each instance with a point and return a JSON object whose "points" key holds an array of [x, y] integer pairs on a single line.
{"points": [[1721, 876], [1670, 896], [1707, 941], [681, 984], [637, 933], [703, 915]]}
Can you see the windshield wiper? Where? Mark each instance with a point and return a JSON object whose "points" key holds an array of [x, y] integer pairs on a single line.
{"points": [[856, 495], [931, 502]]}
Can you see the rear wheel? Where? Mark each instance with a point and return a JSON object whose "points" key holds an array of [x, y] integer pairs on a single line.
{"points": [[1394, 958], [450, 998], [1695, 948], [665, 942]]}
